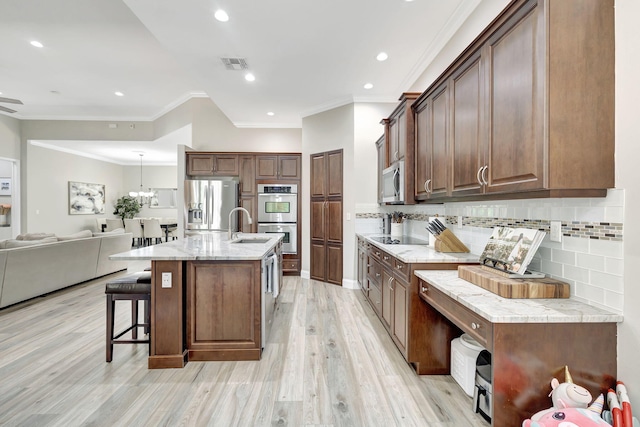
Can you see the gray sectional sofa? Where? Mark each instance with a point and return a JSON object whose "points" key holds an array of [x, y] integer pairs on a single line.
{"points": [[55, 263]]}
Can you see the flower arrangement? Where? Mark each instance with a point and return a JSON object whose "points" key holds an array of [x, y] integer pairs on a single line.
{"points": [[397, 217], [127, 207], [4, 209]]}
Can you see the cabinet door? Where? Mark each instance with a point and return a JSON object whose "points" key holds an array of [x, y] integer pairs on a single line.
{"points": [[387, 299], [318, 181], [334, 264], [247, 175], [334, 173], [318, 220], [394, 149], [438, 142], [380, 148], [318, 260], [402, 134], [514, 153], [333, 221], [423, 156], [467, 144], [218, 292], [289, 167], [266, 167], [249, 203], [226, 165], [200, 164], [400, 314]]}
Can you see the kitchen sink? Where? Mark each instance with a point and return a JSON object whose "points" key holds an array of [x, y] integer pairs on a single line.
{"points": [[249, 240]]}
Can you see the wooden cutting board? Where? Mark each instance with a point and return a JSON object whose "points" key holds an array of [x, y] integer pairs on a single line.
{"points": [[513, 288]]}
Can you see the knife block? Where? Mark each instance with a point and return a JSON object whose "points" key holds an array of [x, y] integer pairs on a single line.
{"points": [[448, 242]]}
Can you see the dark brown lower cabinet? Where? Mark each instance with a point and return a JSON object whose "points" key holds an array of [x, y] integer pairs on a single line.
{"points": [[393, 292]]}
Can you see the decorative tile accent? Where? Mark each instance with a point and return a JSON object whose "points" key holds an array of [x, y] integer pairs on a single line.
{"points": [[583, 229]]}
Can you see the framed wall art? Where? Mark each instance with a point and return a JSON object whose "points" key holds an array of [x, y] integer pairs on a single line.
{"points": [[86, 199]]}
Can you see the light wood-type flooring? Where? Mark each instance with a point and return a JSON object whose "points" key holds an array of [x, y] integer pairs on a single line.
{"points": [[328, 362]]}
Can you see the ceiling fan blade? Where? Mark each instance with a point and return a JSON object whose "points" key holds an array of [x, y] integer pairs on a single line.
{"points": [[10, 100], [8, 110]]}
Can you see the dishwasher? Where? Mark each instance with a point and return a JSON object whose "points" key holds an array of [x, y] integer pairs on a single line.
{"points": [[270, 289]]}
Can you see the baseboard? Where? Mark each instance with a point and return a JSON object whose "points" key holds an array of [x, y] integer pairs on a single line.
{"points": [[350, 284], [304, 274]]}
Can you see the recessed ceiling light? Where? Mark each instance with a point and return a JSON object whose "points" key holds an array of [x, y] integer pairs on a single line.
{"points": [[368, 86], [55, 92], [119, 93], [36, 43], [249, 77], [221, 15], [270, 113], [382, 56]]}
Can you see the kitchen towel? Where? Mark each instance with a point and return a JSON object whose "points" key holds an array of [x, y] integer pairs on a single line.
{"points": [[275, 275]]}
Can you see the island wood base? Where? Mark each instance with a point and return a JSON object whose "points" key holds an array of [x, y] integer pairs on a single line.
{"points": [[211, 312]]}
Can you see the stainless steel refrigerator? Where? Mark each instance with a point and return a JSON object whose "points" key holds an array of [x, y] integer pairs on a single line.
{"points": [[208, 203]]}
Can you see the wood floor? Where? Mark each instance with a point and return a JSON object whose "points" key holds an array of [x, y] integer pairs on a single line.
{"points": [[328, 362]]}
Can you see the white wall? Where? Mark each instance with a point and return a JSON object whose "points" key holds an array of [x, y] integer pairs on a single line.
{"points": [[9, 137], [47, 195], [152, 177], [627, 155]]}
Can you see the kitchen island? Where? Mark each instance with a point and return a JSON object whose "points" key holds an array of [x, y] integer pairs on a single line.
{"points": [[211, 298]]}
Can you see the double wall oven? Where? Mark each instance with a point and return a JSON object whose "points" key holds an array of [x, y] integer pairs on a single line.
{"points": [[278, 213]]}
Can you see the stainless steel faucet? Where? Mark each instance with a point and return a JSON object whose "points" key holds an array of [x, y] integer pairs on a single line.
{"points": [[230, 233]]}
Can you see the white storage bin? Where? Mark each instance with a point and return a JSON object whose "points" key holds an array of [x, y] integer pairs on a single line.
{"points": [[464, 352]]}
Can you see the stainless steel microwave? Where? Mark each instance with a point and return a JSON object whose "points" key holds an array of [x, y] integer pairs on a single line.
{"points": [[393, 183]]}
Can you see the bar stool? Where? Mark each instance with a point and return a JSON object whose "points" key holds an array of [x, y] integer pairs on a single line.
{"points": [[132, 287]]}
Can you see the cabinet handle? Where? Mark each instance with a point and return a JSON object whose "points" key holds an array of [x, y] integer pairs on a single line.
{"points": [[478, 175], [386, 258], [377, 253], [396, 154], [484, 180], [424, 289], [368, 265], [399, 267], [475, 325], [377, 274]]}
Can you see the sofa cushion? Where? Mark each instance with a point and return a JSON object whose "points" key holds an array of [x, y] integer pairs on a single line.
{"points": [[34, 236], [21, 243], [79, 235], [109, 233]]}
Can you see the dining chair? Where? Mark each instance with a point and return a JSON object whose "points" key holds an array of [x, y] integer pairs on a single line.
{"points": [[113, 224], [134, 227], [172, 231], [99, 223], [152, 230]]}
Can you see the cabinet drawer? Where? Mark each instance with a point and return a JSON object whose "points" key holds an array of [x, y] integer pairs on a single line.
{"points": [[290, 264], [387, 259], [374, 270], [375, 297], [375, 252], [401, 269], [471, 323]]}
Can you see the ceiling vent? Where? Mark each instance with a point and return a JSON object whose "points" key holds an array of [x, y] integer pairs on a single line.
{"points": [[235, 64]]}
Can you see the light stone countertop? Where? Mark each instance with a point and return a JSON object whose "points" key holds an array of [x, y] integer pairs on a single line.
{"points": [[497, 309], [212, 246], [419, 253]]}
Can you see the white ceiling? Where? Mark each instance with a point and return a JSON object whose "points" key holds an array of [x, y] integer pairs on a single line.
{"points": [[307, 55]]}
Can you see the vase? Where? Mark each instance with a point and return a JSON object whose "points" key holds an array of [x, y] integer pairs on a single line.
{"points": [[397, 229]]}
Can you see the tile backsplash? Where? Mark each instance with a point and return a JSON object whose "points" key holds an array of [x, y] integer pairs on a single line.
{"points": [[589, 257]]}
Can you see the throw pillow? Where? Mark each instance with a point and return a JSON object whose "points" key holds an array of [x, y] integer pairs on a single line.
{"points": [[34, 236], [79, 235]]}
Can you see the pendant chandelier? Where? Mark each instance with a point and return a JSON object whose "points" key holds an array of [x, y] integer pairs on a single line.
{"points": [[143, 196]]}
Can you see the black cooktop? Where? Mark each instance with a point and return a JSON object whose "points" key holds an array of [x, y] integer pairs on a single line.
{"points": [[400, 240]]}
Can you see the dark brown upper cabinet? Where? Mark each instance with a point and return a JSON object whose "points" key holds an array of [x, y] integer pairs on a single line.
{"points": [[278, 167], [526, 111], [208, 164]]}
